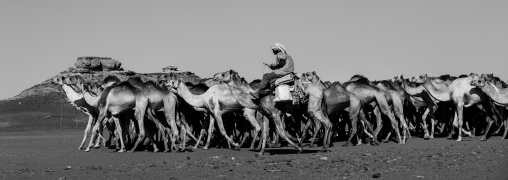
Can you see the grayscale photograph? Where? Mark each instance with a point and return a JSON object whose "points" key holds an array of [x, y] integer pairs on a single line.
{"points": [[325, 89]]}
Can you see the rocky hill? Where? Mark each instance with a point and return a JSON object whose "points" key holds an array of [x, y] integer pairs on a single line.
{"points": [[44, 106]]}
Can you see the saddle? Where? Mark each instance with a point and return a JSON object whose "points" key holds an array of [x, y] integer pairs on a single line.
{"points": [[284, 89]]}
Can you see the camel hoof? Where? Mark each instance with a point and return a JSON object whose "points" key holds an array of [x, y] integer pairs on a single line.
{"points": [[431, 137], [311, 146], [156, 150], [459, 139], [300, 150], [252, 149], [81, 147], [483, 138], [166, 150], [345, 145], [97, 146], [123, 150], [205, 148], [259, 154], [87, 150]]}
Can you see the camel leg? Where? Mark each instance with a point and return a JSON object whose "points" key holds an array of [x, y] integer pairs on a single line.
{"points": [[352, 130], [170, 115], [317, 115], [160, 128], [218, 117], [139, 115], [87, 130], [264, 136], [317, 127], [383, 106], [250, 115], [486, 133], [304, 132], [281, 131], [432, 121], [399, 111], [424, 120], [201, 133], [505, 128], [120, 133], [460, 111], [379, 122], [210, 131], [100, 119]]}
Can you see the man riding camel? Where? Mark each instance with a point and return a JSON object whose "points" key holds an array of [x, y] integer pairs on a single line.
{"points": [[283, 66]]}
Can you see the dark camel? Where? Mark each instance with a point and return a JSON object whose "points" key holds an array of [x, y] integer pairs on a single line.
{"points": [[369, 94], [498, 95], [336, 99]]}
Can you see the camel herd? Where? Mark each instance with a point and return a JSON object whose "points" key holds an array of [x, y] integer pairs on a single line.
{"points": [[167, 112]]}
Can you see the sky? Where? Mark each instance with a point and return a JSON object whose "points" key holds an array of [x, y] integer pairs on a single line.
{"points": [[337, 39]]}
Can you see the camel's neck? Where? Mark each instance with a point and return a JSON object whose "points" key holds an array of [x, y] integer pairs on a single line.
{"points": [[412, 91], [439, 94], [91, 100], [499, 96], [193, 100], [71, 94]]}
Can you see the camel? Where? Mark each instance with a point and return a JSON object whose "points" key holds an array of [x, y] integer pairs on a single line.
{"points": [[92, 103], [498, 95], [419, 97], [337, 98], [274, 111], [217, 100], [395, 97], [462, 94], [119, 101], [369, 94], [78, 101], [238, 87], [161, 99]]}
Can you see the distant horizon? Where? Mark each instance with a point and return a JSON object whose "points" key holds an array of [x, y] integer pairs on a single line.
{"points": [[337, 39]]}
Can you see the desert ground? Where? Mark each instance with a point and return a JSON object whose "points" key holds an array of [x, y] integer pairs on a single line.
{"points": [[39, 139]]}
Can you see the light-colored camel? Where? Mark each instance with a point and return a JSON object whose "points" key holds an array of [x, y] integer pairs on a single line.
{"points": [[217, 100], [498, 95], [462, 94], [91, 103], [274, 111], [369, 94], [119, 101], [238, 87], [77, 100]]}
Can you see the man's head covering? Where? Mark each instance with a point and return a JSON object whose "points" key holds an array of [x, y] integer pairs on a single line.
{"points": [[279, 46]]}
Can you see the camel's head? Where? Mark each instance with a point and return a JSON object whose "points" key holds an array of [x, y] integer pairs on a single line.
{"points": [[232, 75], [171, 81], [480, 82], [488, 77], [57, 80], [219, 76], [474, 76], [309, 77], [420, 79]]}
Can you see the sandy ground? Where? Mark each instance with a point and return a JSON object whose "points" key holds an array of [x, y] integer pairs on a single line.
{"points": [[54, 155]]}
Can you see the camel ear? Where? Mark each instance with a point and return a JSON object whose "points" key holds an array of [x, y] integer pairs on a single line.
{"points": [[314, 72]]}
